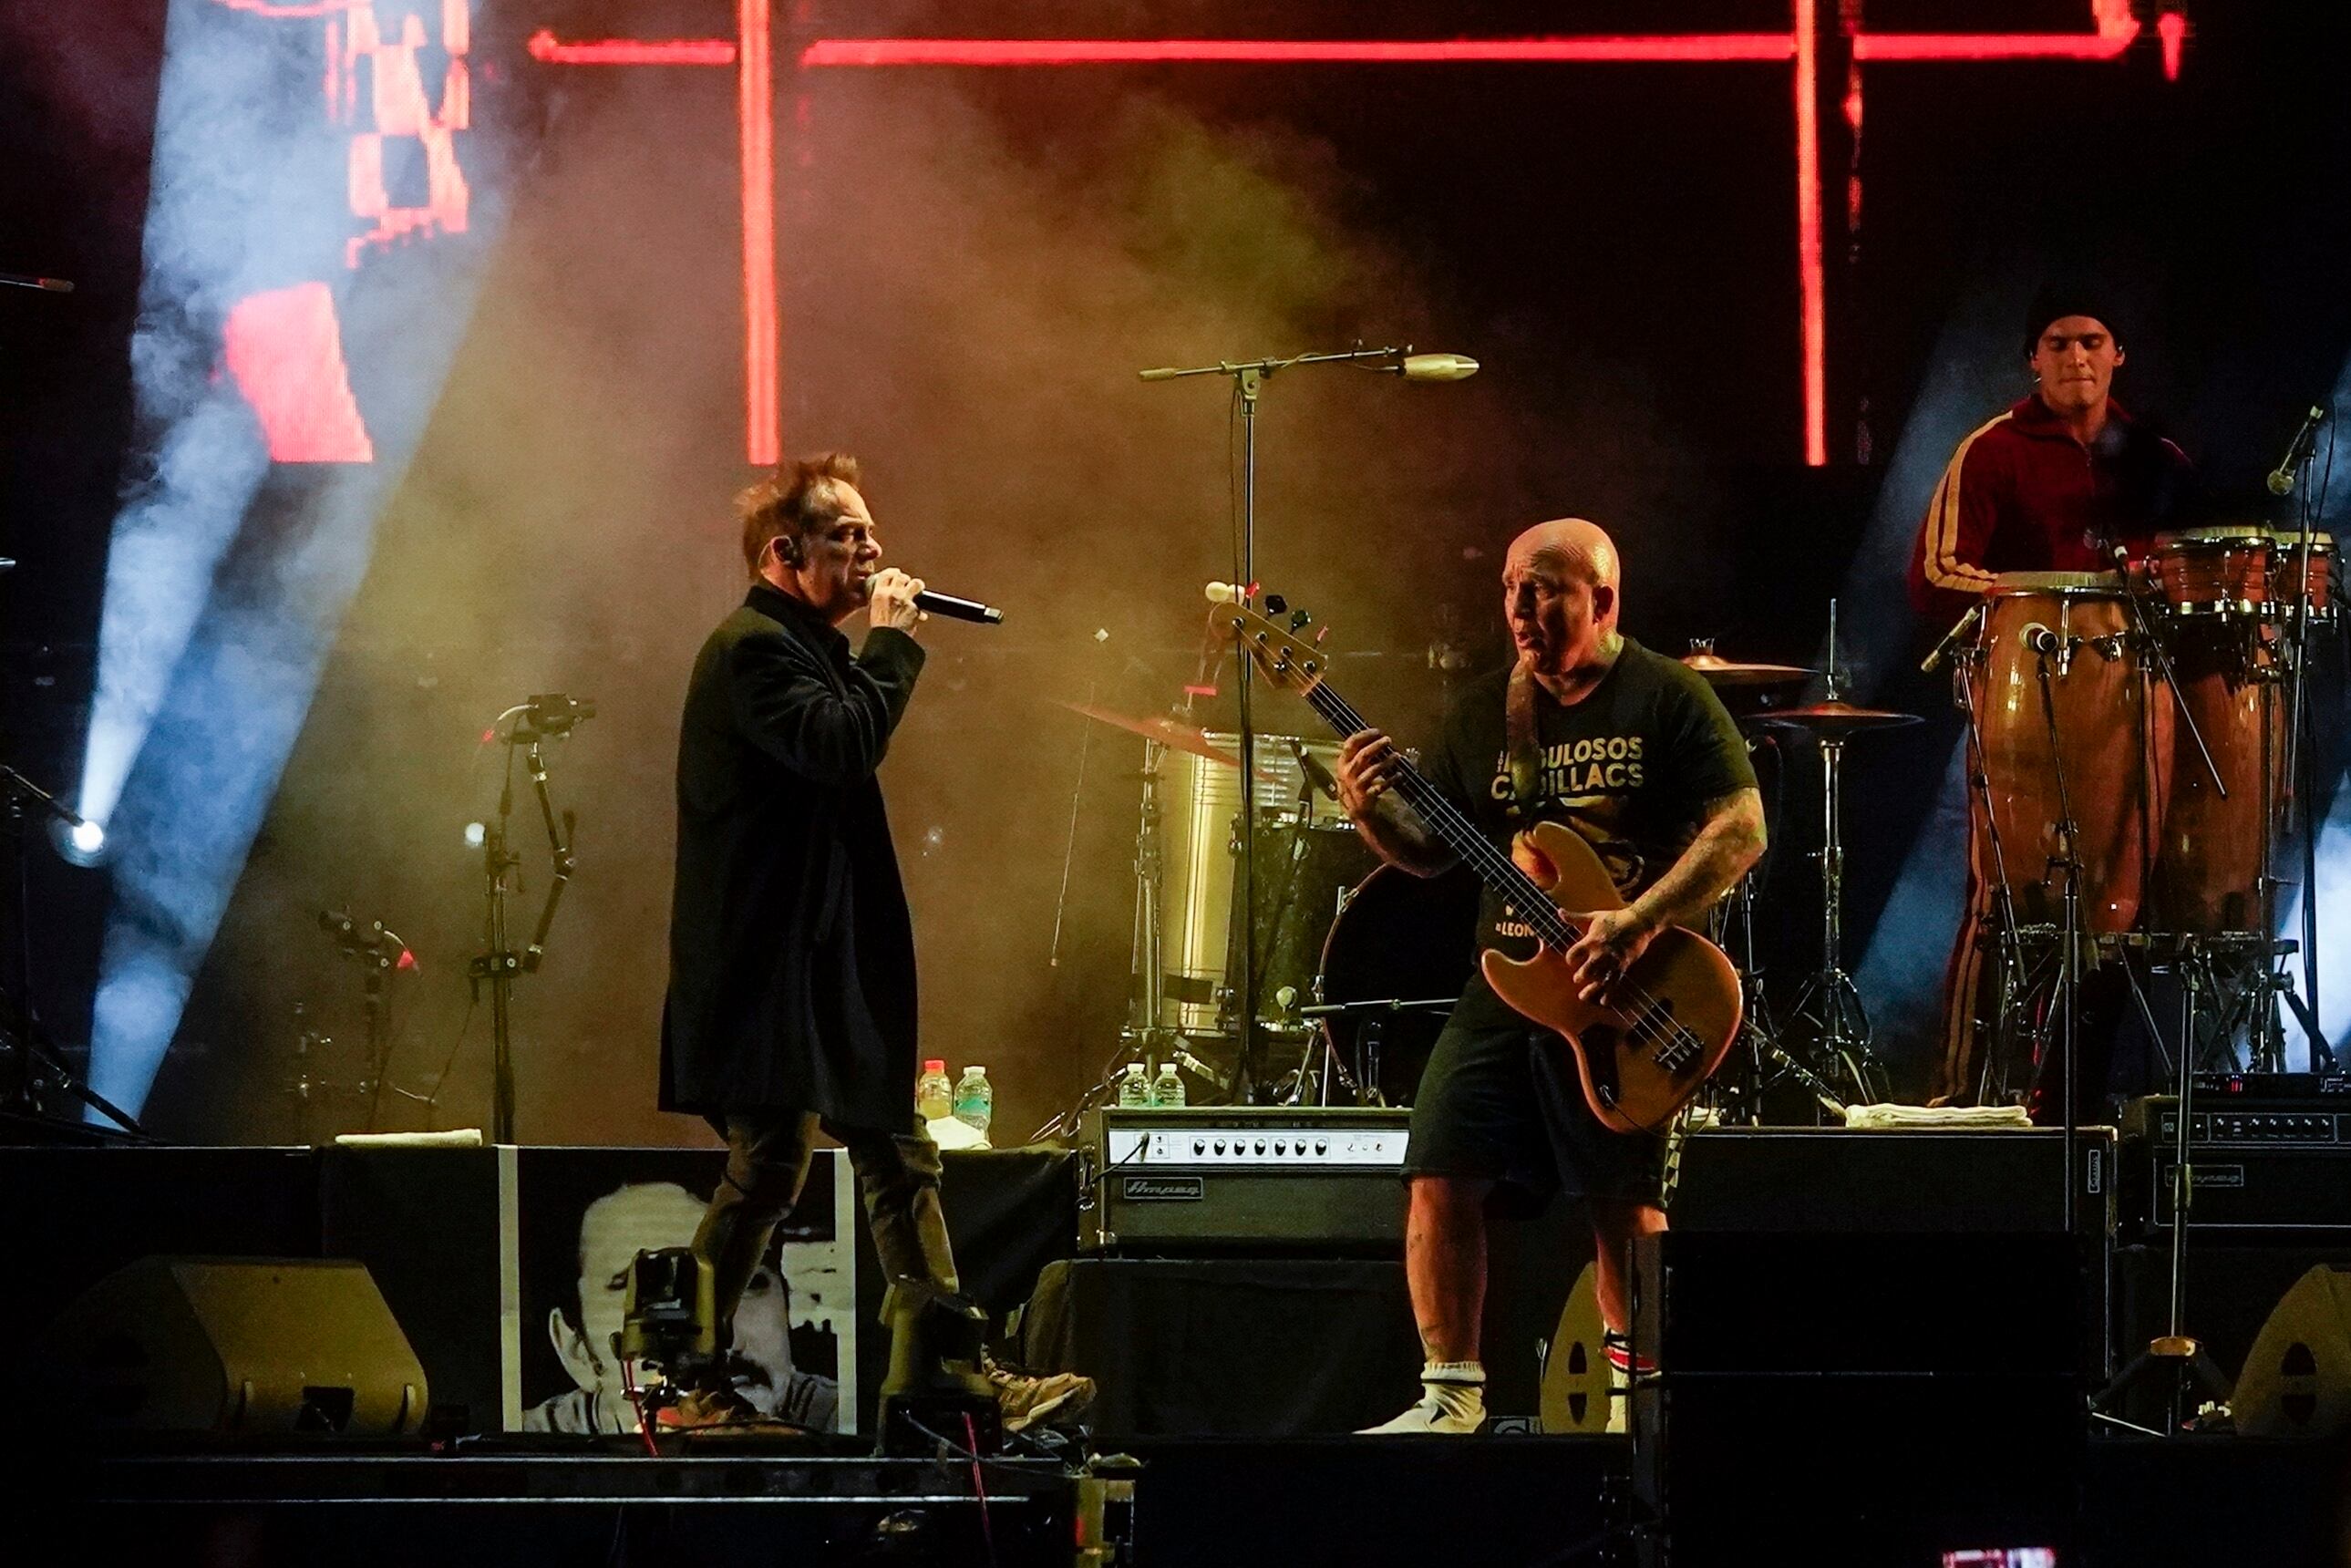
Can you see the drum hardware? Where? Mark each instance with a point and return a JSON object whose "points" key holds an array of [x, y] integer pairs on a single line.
{"points": [[1828, 997], [1362, 1077], [1144, 1037], [1720, 672], [1736, 1097]]}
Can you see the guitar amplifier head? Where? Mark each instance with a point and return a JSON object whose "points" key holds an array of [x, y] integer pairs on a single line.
{"points": [[1240, 1178]]}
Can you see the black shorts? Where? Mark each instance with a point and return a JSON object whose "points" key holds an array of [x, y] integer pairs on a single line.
{"points": [[1502, 1102]]}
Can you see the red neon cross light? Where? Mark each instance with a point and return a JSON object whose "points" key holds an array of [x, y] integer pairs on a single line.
{"points": [[2112, 31]]}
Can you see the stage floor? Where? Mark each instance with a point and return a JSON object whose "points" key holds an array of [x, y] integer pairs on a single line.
{"points": [[2196, 1502]]}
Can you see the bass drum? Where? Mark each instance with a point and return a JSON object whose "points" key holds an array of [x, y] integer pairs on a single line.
{"points": [[1398, 937]]}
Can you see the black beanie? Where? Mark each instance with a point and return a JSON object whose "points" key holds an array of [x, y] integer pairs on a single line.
{"points": [[2055, 301]]}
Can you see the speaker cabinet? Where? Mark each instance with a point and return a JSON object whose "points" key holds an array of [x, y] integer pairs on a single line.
{"points": [[287, 1348]]}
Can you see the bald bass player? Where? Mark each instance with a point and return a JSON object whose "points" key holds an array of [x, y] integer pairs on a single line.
{"points": [[1632, 751]]}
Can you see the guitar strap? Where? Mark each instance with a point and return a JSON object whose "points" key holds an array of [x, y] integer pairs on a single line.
{"points": [[1522, 744]]}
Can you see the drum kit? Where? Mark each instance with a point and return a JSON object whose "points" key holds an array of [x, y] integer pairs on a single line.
{"points": [[2127, 735], [1359, 963]]}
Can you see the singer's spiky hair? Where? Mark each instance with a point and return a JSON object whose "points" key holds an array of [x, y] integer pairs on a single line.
{"points": [[801, 500]]}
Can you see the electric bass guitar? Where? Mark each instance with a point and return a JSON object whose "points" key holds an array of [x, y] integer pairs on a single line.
{"points": [[1657, 1031]]}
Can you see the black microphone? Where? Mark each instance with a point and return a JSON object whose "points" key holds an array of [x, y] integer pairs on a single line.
{"points": [[955, 609], [2280, 479], [553, 713]]}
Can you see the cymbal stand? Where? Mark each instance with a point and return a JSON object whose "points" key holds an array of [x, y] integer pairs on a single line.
{"points": [[1145, 1031], [1828, 998]]}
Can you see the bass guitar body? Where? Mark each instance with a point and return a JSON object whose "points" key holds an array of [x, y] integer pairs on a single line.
{"points": [[1656, 1035]]}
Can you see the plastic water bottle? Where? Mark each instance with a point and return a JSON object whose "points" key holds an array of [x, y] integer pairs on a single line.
{"points": [[975, 1100], [1134, 1088], [1168, 1090], [933, 1095]]}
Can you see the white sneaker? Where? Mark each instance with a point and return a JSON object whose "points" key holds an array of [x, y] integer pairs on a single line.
{"points": [[1428, 1417]]}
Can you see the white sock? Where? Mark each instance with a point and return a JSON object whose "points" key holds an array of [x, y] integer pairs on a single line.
{"points": [[1457, 1387]]}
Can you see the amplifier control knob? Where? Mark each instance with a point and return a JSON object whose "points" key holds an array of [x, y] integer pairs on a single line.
{"points": [[1199, 1146], [1278, 1148], [1261, 1145], [1321, 1146], [1220, 1145]]}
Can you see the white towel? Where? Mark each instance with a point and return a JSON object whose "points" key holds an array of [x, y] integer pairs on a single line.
{"points": [[1891, 1117], [454, 1138]]}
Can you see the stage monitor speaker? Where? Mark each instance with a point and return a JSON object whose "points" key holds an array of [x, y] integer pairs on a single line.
{"points": [[1576, 1381], [2297, 1377], [274, 1347]]}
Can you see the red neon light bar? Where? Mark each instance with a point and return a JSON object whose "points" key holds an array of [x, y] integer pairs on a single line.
{"points": [[754, 115], [545, 47], [1812, 287], [1663, 49], [2102, 45]]}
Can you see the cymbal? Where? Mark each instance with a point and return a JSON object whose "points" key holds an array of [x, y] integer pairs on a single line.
{"points": [[1170, 733], [1720, 672], [1837, 718], [1174, 735]]}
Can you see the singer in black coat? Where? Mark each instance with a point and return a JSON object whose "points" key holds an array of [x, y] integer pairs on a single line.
{"points": [[792, 952]]}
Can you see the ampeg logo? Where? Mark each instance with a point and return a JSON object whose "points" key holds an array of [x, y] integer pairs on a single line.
{"points": [[1163, 1189]]}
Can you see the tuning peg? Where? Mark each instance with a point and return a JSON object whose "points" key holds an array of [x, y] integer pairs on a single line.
{"points": [[1275, 604], [1299, 620]]}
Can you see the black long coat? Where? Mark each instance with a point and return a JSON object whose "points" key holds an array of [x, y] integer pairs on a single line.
{"points": [[792, 953]]}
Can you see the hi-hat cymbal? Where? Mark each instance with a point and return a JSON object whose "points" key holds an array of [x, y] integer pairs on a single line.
{"points": [[1720, 672], [1837, 718]]}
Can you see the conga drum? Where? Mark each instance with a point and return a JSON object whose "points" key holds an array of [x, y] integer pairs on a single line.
{"points": [[2286, 551], [2208, 869], [2112, 741], [2220, 571]]}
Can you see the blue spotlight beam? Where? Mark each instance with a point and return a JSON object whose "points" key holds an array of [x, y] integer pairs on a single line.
{"points": [[229, 574]]}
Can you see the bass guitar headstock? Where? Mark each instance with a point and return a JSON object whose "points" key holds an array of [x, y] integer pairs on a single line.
{"points": [[1274, 639]]}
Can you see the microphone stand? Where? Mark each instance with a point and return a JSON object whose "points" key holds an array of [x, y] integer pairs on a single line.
{"points": [[500, 964], [1249, 379], [2302, 773], [2067, 859]]}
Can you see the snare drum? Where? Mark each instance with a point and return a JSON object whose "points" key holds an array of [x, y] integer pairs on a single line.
{"points": [[2285, 575], [2220, 570], [2113, 744]]}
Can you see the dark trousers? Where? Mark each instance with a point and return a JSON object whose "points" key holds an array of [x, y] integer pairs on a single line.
{"points": [[767, 1156]]}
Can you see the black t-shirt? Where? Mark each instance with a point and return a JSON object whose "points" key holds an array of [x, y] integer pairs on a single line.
{"points": [[1630, 768]]}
